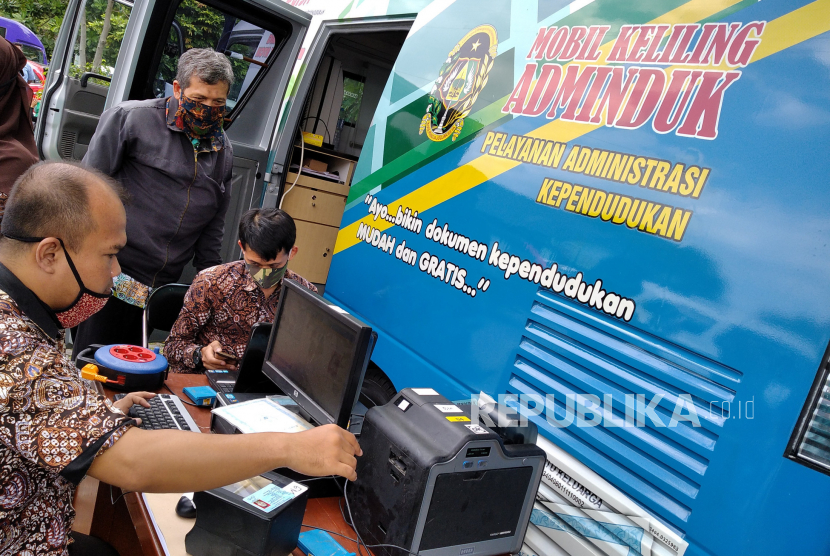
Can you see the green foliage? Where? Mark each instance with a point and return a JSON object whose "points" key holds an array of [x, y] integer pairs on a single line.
{"points": [[43, 17], [352, 97], [201, 27]]}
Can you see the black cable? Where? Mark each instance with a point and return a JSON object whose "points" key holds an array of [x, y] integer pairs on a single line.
{"points": [[329, 532], [123, 492], [318, 478], [368, 546], [343, 514], [390, 546], [182, 400], [351, 519], [355, 540]]}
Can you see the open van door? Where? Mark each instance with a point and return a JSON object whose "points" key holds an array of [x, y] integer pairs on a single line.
{"points": [[262, 38], [78, 79], [345, 71]]}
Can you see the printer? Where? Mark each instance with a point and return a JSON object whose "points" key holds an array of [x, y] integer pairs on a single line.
{"points": [[438, 484]]}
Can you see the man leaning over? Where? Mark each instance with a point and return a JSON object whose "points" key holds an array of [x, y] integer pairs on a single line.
{"points": [[63, 227], [175, 160], [224, 302]]}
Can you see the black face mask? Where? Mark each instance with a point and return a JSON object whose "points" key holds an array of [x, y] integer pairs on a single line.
{"points": [[86, 304]]}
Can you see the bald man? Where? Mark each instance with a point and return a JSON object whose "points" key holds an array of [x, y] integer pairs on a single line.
{"points": [[61, 234]]}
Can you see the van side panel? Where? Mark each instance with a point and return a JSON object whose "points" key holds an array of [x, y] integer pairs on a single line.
{"points": [[670, 262]]}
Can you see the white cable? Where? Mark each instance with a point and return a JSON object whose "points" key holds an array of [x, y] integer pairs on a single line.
{"points": [[299, 169]]}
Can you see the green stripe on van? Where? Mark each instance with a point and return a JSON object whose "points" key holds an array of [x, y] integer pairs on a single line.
{"points": [[601, 12]]}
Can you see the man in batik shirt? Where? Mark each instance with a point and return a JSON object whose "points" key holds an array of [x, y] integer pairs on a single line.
{"points": [[61, 232], [224, 302]]}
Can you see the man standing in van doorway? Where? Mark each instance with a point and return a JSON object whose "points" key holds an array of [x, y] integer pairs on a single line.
{"points": [[173, 157]]}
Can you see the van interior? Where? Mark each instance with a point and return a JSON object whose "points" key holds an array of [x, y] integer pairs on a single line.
{"points": [[338, 104], [337, 112]]}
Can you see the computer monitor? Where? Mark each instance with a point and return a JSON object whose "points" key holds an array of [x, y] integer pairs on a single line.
{"points": [[318, 354]]}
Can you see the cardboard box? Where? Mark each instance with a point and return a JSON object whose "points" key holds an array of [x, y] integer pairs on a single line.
{"points": [[316, 165]]}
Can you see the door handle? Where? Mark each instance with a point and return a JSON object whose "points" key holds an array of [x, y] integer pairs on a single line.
{"points": [[85, 78]]}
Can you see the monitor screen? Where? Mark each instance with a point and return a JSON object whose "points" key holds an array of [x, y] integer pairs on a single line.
{"points": [[318, 354]]}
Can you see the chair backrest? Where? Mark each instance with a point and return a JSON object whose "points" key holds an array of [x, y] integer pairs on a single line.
{"points": [[164, 305]]}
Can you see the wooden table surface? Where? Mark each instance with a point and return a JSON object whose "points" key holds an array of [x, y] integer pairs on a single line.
{"points": [[122, 519]]}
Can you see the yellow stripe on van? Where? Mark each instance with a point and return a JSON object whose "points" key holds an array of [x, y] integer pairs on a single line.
{"points": [[795, 27], [779, 34]]}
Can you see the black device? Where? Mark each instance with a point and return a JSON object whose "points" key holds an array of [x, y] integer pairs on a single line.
{"points": [[226, 356], [165, 412], [435, 483], [185, 508], [248, 378], [318, 355], [247, 518]]}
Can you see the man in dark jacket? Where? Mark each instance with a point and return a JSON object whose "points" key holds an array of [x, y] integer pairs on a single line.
{"points": [[174, 159]]}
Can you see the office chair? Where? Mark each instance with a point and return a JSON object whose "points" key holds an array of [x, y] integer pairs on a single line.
{"points": [[162, 309]]}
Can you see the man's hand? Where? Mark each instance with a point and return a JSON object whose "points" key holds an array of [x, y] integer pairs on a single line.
{"points": [[213, 363], [326, 450], [139, 398]]}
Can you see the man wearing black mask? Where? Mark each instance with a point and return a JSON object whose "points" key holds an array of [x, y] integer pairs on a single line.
{"points": [[174, 159]]}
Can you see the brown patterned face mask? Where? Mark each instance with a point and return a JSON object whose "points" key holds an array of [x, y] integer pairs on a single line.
{"points": [[85, 305], [201, 122]]}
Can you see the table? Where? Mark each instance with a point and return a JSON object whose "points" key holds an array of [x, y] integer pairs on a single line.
{"points": [[122, 519]]}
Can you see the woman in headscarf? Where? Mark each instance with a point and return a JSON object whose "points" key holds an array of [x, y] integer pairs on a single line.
{"points": [[17, 140]]}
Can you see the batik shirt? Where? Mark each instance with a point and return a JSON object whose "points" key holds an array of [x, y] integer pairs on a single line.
{"points": [[223, 303], [51, 425]]}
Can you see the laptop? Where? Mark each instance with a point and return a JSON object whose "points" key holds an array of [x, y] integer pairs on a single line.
{"points": [[248, 379]]}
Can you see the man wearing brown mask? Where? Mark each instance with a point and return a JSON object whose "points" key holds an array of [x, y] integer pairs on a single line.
{"points": [[174, 159]]}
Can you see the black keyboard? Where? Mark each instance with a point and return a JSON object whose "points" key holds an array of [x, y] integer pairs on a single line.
{"points": [[225, 387], [222, 380], [165, 412]]}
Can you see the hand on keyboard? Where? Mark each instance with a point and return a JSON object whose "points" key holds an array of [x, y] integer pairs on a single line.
{"points": [[124, 402], [164, 412]]}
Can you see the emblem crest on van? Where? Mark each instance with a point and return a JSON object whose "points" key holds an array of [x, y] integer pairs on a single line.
{"points": [[460, 80]]}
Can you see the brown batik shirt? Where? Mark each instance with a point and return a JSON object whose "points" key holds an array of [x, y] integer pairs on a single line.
{"points": [[223, 303], [52, 426]]}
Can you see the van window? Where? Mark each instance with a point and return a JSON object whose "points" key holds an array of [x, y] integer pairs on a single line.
{"points": [[98, 39], [350, 108], [810, 443], [249, 47], [31, 52]]}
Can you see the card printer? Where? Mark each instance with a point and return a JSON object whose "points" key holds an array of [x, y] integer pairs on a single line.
{"points": [[435, 483]]}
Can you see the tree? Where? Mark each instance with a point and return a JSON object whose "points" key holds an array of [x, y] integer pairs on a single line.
{"points": [[99, 38], [82, 51], [102, 39]]}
